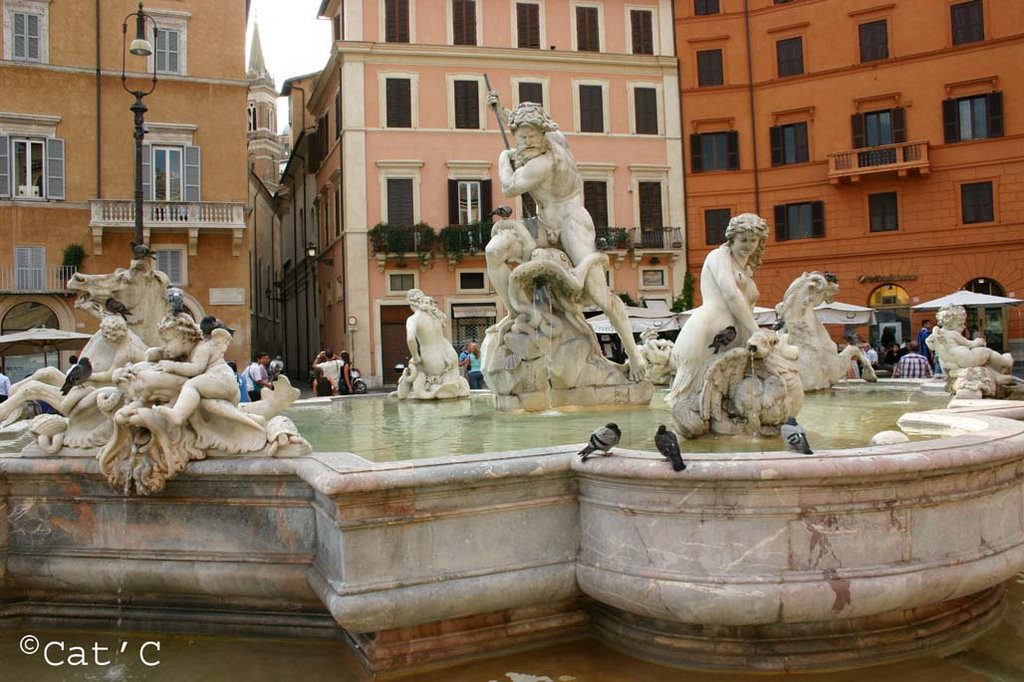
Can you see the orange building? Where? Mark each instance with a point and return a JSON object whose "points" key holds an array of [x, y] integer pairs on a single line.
{"points": [[404, 153], [67, 157], [882, 141]]}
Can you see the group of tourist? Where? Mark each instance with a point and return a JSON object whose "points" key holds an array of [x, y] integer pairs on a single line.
{"points": [[258, 376], [332, 374], [910, 360]]}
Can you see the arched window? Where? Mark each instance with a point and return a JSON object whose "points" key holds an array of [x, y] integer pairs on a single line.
{"points": [[984, 285], [252, 117], [892, 310]]}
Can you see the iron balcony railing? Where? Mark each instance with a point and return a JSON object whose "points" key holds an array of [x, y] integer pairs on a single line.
{"points": [[15, 280], [902, 158]]}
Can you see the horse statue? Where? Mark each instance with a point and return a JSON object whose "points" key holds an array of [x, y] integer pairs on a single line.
{"points": [[821, 363]]}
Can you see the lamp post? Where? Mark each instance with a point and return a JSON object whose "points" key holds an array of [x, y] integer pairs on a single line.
{"points": [[140, 47]]}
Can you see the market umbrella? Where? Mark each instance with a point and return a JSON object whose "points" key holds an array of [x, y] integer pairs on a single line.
{"points": [[640, 320], [844, 313], [968, 299], [41, 340], [765, 317]]}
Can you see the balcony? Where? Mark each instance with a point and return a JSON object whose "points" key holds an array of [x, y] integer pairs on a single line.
{"points": [[401, 243], [171, 216], [459, 241], [902, 158], [48, 280]]}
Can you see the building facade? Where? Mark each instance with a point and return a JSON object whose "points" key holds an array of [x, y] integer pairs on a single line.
{"points": [[67, 157], [882, 142], [404, 152]]}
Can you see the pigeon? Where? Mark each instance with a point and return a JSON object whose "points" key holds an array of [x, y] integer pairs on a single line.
{"points": [[275, 369], [723, 338], [602, 439], [668, 445], [502, 211], [795, 435], [140, 251], [209, 323], [78, 374], [176, 298], [115, 306]]}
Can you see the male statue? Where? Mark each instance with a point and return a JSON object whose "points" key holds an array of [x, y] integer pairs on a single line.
{"points": [[542, 165]]}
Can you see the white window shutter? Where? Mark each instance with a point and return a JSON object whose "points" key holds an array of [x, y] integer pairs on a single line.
{"points": [[55, 168], [5, 167], [32, 37], [192, 174], [168, 261], [20, 51], [147, 172], [29, 266]]}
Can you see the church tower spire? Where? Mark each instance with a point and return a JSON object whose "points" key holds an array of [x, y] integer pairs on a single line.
{"points": [[265, 149]]}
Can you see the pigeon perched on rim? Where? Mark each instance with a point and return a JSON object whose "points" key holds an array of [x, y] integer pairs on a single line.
{"points": [[723, 338], [668, 446], [78, 374], [209, 323], [115, 306], [602, 440], [176, 299], [796, 437], [502, 211]]}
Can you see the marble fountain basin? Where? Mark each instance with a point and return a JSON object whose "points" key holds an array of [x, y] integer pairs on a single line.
{"points": [[758, 560]]}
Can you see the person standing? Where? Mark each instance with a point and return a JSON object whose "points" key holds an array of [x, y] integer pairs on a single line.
{"points": [[5, 386], [257, 376], [345, 376], [921, 336], [913, 365], [475, 375]]}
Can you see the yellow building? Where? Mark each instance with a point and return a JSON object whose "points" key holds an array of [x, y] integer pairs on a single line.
{"points": [[67, 157]]}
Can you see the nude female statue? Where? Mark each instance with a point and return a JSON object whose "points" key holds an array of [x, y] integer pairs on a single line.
{"points": [[728, 295]]}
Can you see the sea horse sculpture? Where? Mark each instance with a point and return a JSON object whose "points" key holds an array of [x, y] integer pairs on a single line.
{"points": [[821, 363]]}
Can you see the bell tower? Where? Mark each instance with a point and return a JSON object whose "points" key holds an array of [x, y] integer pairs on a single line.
{"points": [[265, 150]]}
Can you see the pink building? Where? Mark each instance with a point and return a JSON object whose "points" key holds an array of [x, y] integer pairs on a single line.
{"points": [[405, 153]]}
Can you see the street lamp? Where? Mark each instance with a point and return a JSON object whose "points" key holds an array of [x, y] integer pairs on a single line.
{"points": [[311, 250], [140, 47]]}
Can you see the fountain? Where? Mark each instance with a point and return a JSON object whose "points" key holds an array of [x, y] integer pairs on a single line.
{"points": [[433, 369], [972, 370]]}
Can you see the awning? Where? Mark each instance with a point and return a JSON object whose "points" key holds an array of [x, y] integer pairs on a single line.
{"points": [[844, 313], [765, 317], [474, 311], [640, 320], [967, 299]]}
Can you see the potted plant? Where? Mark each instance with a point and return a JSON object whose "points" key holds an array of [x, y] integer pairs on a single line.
{"points": [[74, 254]]}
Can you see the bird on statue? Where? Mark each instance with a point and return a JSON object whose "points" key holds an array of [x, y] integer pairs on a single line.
{"points": [[796, 437], [502, 211], [77, 375], [668, 446], [723, 338], [176, 298], [209, 323], [602, 440], [140, 251], [115, 306]]}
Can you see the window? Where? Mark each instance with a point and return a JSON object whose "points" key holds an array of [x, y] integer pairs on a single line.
{"points": [[789, 143], [650, 204], [401, 282], [400, 202], [337, 115], [528, 25], [709, 68], [642, 31], [714, 151], [26, 35], [976, 202], [171, 262], [877, 129], [469, 201], [168, 176], [252, 117], [467, 104], [645, 102], [874, 41], [591, 109], [398, 92], [472, 281], [587, 29], [595, 200], [463, 22], [790, 54], [28, 169], [396, 21], [800, 221], [337, 213], [968, 22], [715, 222], [29, 268], [701, 7], [973, 118], [884, 212], [652, 279], [167, 51], [31, 168], [531, 92]]}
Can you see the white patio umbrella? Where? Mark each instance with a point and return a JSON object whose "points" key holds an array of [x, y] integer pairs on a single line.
{"points": [[41, 340], [640, 320], [967, 299], [844, 313], [765, 317]]}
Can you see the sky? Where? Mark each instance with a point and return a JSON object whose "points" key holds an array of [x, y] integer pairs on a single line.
{"points": [[294, 41]]}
